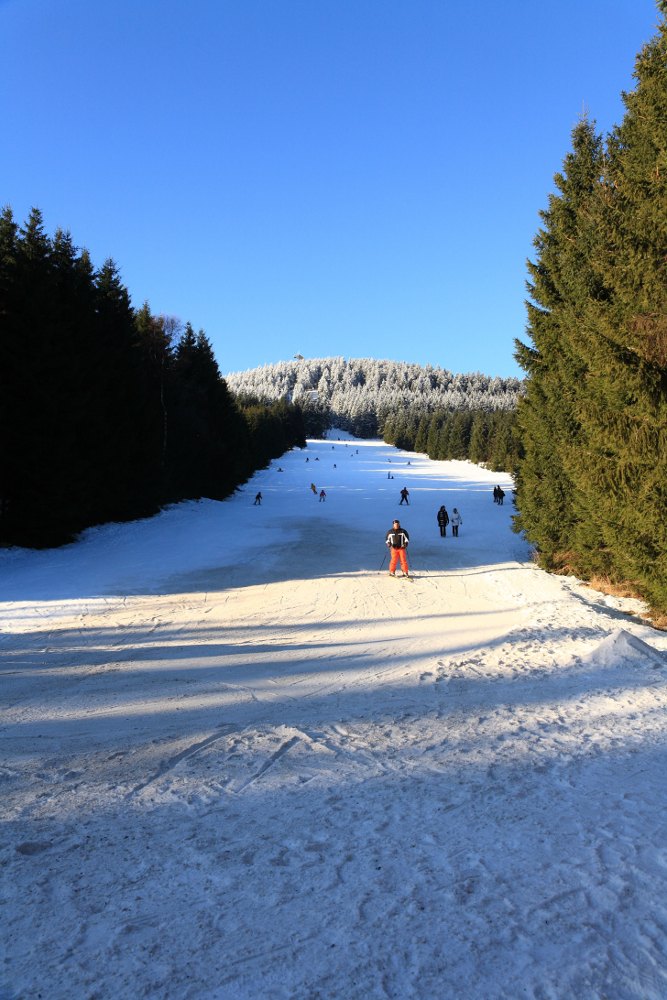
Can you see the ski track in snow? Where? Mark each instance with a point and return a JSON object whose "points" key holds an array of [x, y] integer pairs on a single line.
{"points": [[239, 761]]}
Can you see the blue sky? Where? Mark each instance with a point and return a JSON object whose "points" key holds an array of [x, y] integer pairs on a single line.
{"points": [[329, 177]]}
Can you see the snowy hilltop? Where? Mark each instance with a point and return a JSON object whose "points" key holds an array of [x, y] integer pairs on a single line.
{"points": [[240, 761], [360, 393]]}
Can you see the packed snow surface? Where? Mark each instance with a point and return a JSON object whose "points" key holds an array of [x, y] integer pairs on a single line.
{"points": [[240, 761]]}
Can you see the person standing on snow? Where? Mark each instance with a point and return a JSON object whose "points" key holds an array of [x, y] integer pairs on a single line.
{"points": [[404, 496], [314, 489], [397, 539], [443, 521], [258, 500], [323, 496], [456, 520]]}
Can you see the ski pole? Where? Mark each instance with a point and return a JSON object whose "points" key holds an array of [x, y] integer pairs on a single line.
{"points": [[382, 563]]}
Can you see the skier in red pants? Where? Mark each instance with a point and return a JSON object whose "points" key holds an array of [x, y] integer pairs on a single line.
{"points": [[398, 539]]}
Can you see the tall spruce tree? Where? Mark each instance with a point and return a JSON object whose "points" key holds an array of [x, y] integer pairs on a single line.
{"points": [[561, 283], [9, 334], [74, 444], [623, 413], [209, 448], [128, 407], [29, 364], [592, 487], [479, 437], [157, 359]]}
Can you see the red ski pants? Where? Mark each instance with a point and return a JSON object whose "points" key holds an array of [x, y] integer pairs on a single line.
{"points": [[397, 554]]}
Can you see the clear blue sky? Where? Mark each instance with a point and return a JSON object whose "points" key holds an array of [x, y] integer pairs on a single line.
{"points": [[330, 177]]}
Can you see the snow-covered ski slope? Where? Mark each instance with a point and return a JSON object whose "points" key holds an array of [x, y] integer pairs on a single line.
{"points": [[239, 761]]}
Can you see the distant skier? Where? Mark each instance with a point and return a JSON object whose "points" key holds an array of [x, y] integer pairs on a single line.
{"points": [[456, 520], [313, 488], [323, 496], [397, 539], [443, 521], [258, 500], [404, 496], [501, 496]]}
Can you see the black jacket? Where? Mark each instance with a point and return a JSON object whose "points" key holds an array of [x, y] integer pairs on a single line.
{"points": [[397, 538], [443, 516]]}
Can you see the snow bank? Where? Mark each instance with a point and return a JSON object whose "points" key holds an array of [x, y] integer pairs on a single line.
{"points": [[621, 647]]}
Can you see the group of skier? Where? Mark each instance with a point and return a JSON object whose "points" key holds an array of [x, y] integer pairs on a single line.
{"points": [[498, 495], [444, 519], [397, 538]]}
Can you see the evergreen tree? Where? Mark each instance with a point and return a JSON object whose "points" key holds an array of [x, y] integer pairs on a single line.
{"points": [[459, 434], [75, 434], [479, 438], [435, 424], [130, 457], [156, 349], [421, 441], [209, 450], [292, 418], [595, 409], [267, 434], [504, 447], [562, 281], [9, 344], [623, 412], [388, 433], [31, 389], [442, 449]]}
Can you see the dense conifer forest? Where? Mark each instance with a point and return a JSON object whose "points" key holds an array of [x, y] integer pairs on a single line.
{"points": [[592, 483], [482, 436], [417, 408], [107, 412]]}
